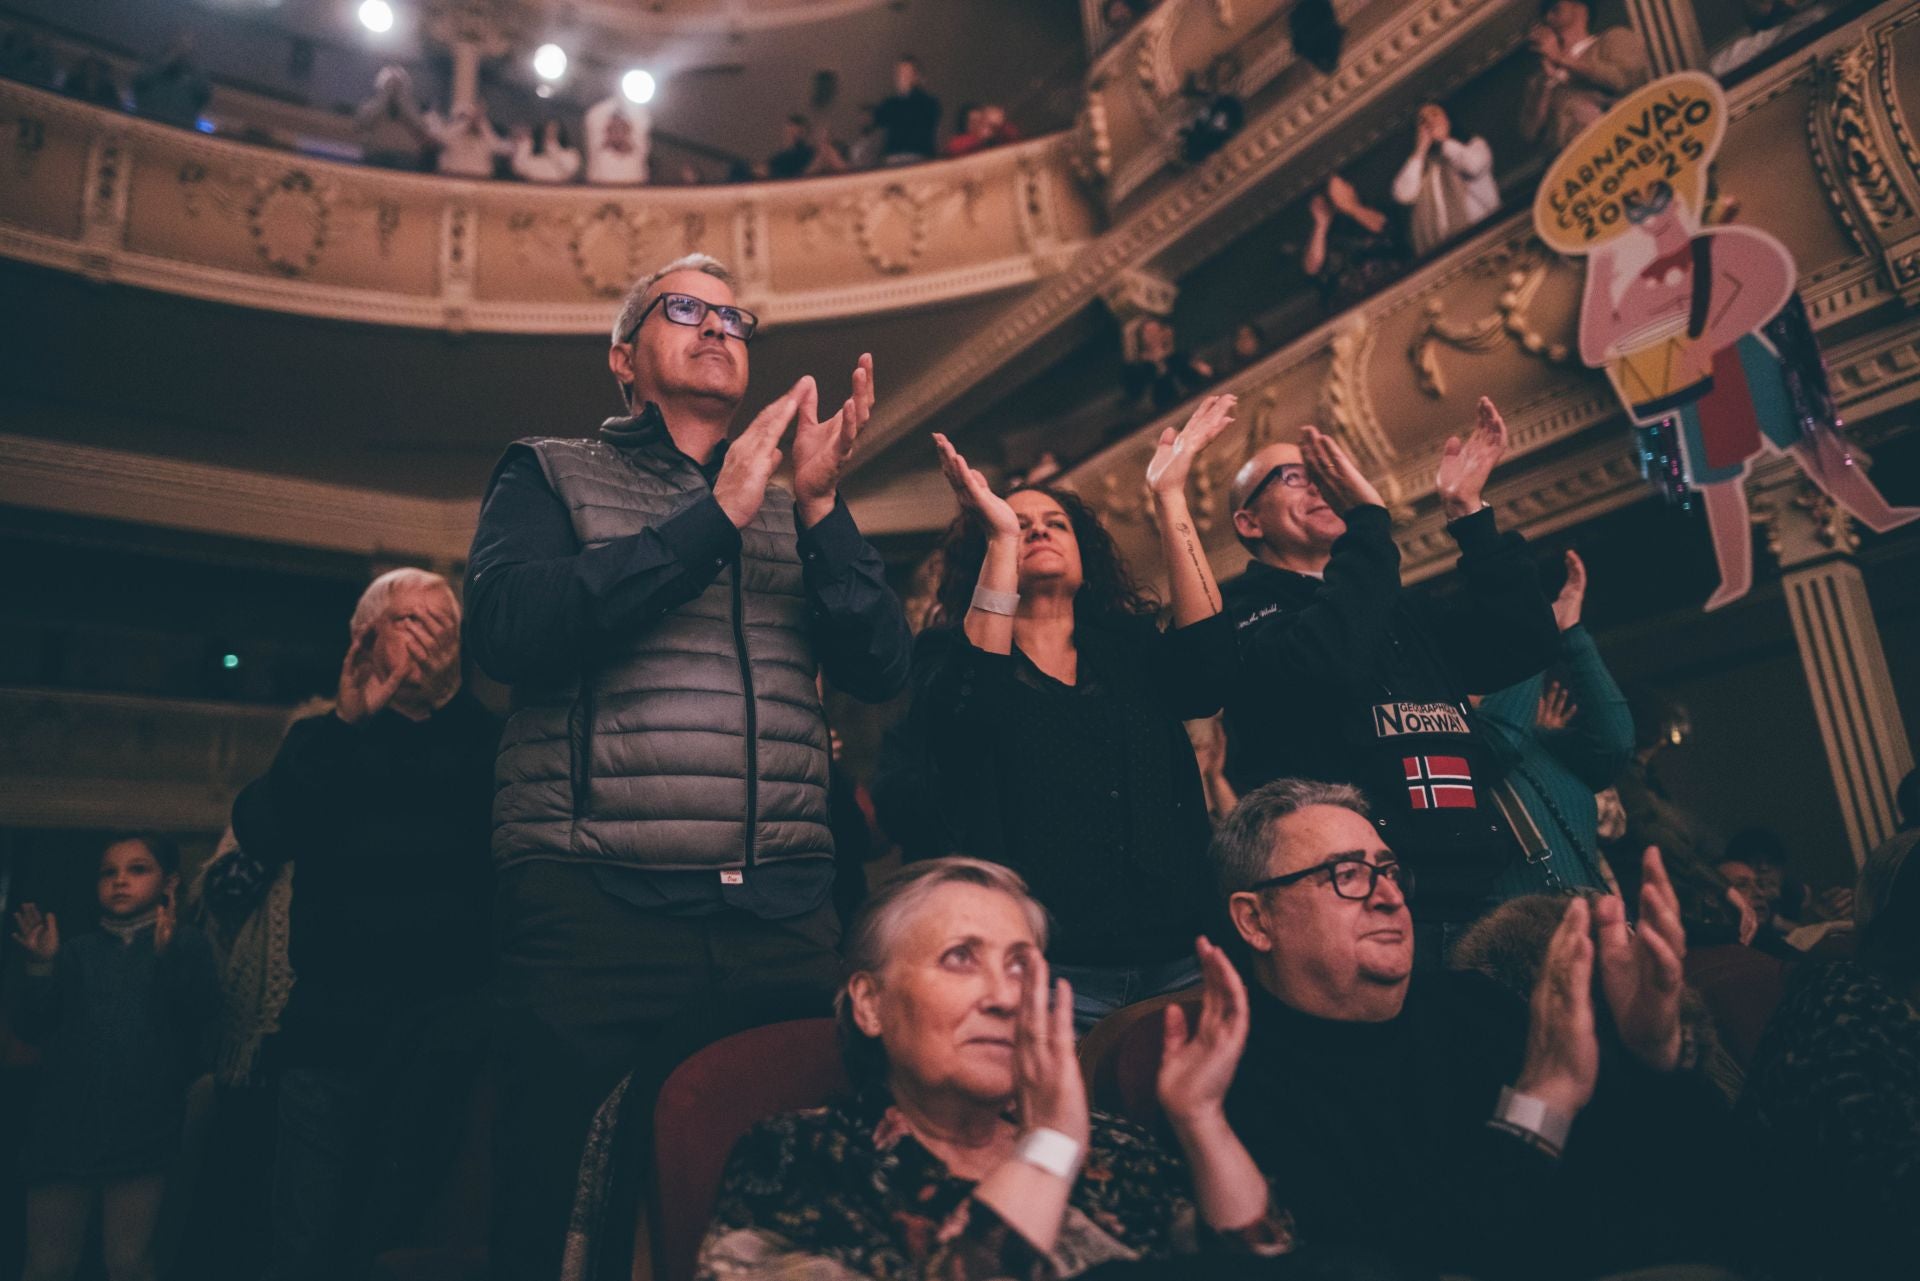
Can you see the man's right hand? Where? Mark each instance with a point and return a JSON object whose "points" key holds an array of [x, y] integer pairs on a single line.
{"points": [[1563, 1051], [1334, 472], [379, 659], [753, 458]]}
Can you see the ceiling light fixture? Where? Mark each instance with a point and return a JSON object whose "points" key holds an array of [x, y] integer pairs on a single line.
{"points": [[376, 16], [550, 62], [638, 86]]}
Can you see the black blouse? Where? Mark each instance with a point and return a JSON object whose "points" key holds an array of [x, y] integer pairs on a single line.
{"points": [[1090, 791]]}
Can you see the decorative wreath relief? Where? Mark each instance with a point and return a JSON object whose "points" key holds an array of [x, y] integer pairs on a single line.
{"points": [[606, 249], [892, 225], [288, 222]]}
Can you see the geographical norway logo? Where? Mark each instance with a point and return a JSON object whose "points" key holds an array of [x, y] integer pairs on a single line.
{"points": [[1439, 783], [1390, 720]]}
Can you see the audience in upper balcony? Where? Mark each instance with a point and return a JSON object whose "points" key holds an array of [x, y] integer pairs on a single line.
{"points": [[394, 134], [1244, 350], [1432, 1116], [24, 58], [1155, 368], [907, 120], [803, 153], [619, 135], [1344, 676], [1353, 249], [91, 80], [1048, 705], [545, 155], [1446, 183], [468, 144], [986, 126], [174, 90], [1581, 72]]}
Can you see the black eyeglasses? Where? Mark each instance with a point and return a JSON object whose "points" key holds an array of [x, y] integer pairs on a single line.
{"points": [[685, 309], [1353, 878], [1292, 475]]}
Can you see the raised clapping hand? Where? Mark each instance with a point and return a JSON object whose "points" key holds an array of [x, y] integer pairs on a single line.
{"points": [[1334, 473], [754, 456], [1048, 1088], [976, 496], [36, 931], [1197, 1067], [1557, 709], [1465, 465], [821, 449], [380, 659], [165, 920], [1641, 969], [1173, 456], [1566, 606], [1563, 1054]]}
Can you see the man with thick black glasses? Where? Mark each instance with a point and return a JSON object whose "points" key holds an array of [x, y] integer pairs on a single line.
{"points": [[1432, 1118], [1343, 676], [660, 835]]}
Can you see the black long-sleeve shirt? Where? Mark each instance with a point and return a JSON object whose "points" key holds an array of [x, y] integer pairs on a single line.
{"points": [[387, 824], [540, 607], [1346, 678], [1089, 790], [1375, 1135]]}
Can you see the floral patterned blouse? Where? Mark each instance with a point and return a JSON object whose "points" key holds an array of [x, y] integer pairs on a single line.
{"points": [[847, 1191]]}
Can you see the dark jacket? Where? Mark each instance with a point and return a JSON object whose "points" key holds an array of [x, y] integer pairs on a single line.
{"points": [[1089, 790], [1349, 679], [386, 825], [124, 1031], [665, 716]]}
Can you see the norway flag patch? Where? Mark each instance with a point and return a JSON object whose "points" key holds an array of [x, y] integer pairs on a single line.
{"points": [[1439, 783]]}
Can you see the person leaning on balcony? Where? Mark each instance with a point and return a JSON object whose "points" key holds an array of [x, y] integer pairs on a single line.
{"points": [[1447, 183], [393, 133], [619, 136], [1353, 250], [660, 819], [1345, 677], [1048, 705], [547, 156], [1581, 73]]}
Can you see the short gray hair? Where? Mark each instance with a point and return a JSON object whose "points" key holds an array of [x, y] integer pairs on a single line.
{"points": [[876, 930], [636, 300], [373, 601], [1243, 843]]}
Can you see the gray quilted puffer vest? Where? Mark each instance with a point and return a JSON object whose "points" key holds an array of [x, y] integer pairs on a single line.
{"points": [[699, 744]]}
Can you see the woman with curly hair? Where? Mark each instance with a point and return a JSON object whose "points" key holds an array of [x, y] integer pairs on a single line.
{"points": [[1049, 703]]}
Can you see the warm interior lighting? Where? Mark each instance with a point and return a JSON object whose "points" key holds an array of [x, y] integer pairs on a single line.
{"points": [[550, 62], [637, 85], [376, 16]]}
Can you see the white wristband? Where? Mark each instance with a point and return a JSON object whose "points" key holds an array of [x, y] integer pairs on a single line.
{"points": [[1548, 1124], [988, 601], [1051, 1150]]}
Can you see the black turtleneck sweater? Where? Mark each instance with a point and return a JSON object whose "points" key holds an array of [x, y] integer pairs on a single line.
{"points": [[1375, 1135]]}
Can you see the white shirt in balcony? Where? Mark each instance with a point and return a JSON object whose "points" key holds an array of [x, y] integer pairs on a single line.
{"points": [[468, 144], [555, 162], [618, 136], [1449, 186]]}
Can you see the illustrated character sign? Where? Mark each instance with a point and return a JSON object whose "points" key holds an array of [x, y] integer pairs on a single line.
{"points": [[1693, 324]]}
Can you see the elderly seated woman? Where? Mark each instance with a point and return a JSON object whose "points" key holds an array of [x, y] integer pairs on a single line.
{"points": [[967, 1149]]}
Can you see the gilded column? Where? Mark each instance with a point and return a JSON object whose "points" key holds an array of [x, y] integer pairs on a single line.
{"points": [[1861, 729], [1672, 34]]}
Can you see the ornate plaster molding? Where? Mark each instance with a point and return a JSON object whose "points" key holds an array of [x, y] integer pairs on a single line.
{"points": [[172, 210]]}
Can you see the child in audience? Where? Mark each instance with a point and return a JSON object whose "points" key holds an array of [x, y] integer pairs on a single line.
{"points": [[124, 1017]]}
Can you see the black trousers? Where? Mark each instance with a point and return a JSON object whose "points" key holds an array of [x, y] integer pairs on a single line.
{"points": [[590, 987]]}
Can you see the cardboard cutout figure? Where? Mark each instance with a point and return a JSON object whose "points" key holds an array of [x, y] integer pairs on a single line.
{"points": [[1689, 323]]}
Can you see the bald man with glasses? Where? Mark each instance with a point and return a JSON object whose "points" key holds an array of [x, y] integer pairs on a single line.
{"points": [[660, 832], [1345, 677]]}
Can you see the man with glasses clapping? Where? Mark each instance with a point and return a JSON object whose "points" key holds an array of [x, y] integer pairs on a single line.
{"points": [[660, 807], [1344, 677]]}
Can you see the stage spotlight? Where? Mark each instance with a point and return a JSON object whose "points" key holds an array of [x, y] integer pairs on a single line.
{"points": [[550, 62], [637, 85], [376, 16]]}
